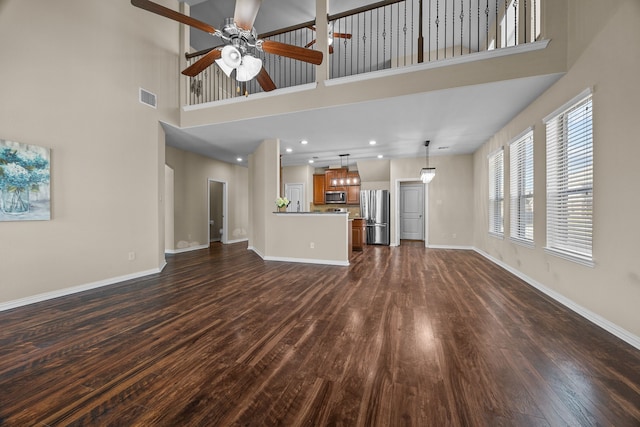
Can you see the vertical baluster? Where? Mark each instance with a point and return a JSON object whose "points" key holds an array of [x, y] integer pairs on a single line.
{"points": [[478, 30], [391, 35], [384, 35], [357, 43], [445, 29], [525, 21], [371, 40], [506, 9], [377, 39], [429, 31], [495, 46], [437, 29], [461, 25], [515, 22], [404, 31], [486, 22], [470, 28], [453, 28], [411, 35]]}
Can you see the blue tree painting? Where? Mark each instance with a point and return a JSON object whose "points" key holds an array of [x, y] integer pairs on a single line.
{"points": [[24, 182]]}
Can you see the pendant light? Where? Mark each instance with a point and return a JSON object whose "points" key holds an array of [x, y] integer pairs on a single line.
{"points": [[427, 174]]}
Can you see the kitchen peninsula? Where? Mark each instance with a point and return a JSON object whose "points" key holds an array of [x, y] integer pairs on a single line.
{"points": [[312, 237]]}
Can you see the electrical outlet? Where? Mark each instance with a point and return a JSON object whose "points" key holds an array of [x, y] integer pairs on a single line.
{"points": [[312, 245], [132, 256], [454, 235]]}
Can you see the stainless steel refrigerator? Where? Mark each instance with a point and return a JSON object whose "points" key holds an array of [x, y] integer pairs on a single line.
{"points": [[375, 210]]}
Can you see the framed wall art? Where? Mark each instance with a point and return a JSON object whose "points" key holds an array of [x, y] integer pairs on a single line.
{"points": [[24, 182]]}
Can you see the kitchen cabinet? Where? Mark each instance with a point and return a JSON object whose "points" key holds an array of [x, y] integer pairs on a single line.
{"points": [[358, 235], [353, 191], [332, 179], [318, 189], [324, 182]]}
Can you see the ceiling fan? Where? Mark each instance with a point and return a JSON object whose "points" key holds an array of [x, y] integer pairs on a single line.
{"points": [[332, 35], [241, 43]]}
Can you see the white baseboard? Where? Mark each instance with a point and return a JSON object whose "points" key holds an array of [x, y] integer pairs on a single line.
{"points": [[605, 324], [299, 260], [461, 248], [189, 249], [307, 261], [229, 242], [75, 289]]}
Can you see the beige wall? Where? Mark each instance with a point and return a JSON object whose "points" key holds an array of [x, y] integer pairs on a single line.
{"points": [[449, 198], [611, 289], [69, 81], [192, 173]]}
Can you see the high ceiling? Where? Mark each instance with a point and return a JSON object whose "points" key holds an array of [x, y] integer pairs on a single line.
{"points": [[456, 121]]}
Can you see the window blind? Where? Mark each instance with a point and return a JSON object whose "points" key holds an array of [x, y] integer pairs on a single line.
{"points": [[570, 181], [521, 188], [496, 192]]}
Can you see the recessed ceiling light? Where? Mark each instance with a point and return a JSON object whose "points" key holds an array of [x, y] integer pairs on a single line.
{"points": [[310, 160], [380, 156], [304, 142], [239, 159], [372, 142], [289, 150]]}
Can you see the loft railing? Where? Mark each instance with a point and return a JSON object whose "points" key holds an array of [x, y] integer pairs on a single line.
{"points": [[391, 34], [383, 35]]}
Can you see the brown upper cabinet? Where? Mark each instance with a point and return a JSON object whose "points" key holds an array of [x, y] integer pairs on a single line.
{"points": [[318, 189], [336, 180]]}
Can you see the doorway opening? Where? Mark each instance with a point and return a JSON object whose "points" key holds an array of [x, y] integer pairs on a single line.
{"points": [[217, 211]]}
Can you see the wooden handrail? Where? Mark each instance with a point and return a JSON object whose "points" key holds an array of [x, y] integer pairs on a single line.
{"points": [[362, 9], [288, 29]]}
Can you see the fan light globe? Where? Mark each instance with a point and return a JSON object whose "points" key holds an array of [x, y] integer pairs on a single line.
{"points": [[231, 56], [248, 69], [230, 59]]}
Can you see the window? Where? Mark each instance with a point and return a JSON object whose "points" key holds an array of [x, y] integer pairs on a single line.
{"points": [[496, 192], [570, 181], [521, 188]]}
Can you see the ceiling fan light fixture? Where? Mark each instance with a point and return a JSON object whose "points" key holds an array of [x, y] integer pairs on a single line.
{"points": [[249, 68]]}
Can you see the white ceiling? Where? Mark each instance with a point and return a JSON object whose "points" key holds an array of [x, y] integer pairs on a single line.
{"points": [[460, 119]]}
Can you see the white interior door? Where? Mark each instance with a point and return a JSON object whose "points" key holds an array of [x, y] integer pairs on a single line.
{"points": [[412, 211], [295, 194]]}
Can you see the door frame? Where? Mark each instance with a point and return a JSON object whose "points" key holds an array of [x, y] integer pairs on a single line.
{"points": [[397, 210], [400, 193], [225, 224]]}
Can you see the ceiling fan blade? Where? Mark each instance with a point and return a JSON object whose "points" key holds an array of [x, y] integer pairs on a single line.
{"points": [[311, 43], [342, 35], [201, 64], [172, 14], [265, 81], [245, 13], [291, 51]]}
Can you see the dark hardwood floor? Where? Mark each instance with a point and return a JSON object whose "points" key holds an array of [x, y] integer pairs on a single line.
{"points": [[404, 336]]}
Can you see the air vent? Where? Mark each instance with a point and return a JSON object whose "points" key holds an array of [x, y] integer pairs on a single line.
{"points": [[148, 98]]}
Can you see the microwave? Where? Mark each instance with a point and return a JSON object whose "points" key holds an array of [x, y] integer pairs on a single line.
{"points": [[335, 197]]}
